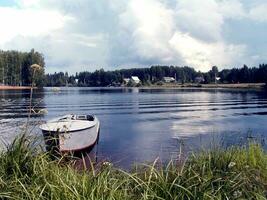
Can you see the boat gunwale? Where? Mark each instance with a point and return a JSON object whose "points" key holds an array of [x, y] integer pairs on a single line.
{"points": [[67, 131], [71, 131]]}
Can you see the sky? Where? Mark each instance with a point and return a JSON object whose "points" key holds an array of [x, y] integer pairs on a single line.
{"points": [[113, 34]]}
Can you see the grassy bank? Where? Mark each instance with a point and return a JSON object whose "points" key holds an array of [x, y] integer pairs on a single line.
{"points": [[26, 172]]}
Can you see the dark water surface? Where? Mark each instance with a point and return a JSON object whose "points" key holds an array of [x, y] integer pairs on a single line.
{"points": [[138, 125]]}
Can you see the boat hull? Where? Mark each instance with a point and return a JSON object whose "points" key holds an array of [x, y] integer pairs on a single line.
{"points": [[73, 140]]}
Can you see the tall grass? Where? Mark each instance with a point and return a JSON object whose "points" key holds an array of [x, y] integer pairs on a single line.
{"points": [[27, 172]]}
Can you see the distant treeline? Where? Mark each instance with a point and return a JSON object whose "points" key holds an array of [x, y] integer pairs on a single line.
{"points": [[15, 68], [155, 74]]}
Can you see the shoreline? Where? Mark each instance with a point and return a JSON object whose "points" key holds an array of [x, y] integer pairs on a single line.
{"points": [[171, 86], [8, 87], [209, 86], [29, 172]]}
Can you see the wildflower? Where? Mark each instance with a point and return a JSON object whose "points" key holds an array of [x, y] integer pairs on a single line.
{"points": [[231, 164], [107, 163], [36, 67], [65, 128], [42, 111], [39, 112]]}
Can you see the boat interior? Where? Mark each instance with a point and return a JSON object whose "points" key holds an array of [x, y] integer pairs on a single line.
{"points": [[77, 117], [85, 117]]}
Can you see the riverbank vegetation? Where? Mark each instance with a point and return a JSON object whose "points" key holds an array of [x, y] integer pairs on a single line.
{"points": [[26, 172]]}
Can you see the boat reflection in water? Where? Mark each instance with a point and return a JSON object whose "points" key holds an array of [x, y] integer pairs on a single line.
{"points": [[73, 134]]}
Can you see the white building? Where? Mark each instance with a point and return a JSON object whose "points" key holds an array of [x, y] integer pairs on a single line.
{"points": [[135, 79], [168, 79], [126, 80], [199, 79]]}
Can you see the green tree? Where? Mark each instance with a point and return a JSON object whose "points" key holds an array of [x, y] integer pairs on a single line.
{"points": [[15, 67]]}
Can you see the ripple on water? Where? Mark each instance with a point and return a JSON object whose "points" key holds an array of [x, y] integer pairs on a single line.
{"points": [[141, 124]]}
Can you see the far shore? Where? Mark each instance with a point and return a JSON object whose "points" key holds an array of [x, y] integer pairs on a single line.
{"points": [[173, 85], [9, 87], [219, 85]]}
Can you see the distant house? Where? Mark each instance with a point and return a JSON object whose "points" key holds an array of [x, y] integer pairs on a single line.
{"points": [[126, 80], [135, 79], [76, 81], [199, 79], [168, 79]]}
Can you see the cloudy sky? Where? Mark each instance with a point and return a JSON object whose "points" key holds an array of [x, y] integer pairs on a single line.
{"points": [[90, 34]]}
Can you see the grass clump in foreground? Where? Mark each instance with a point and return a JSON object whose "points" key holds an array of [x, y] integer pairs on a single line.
{"points": [[235, 173]]}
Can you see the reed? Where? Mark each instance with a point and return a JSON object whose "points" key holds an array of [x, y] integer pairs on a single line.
{"points": [[27, 172]]}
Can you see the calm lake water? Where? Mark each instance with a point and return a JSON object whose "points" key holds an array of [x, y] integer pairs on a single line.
{"points": [[139, 125]]}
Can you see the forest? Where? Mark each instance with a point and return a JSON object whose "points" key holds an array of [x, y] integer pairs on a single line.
{"points": [[15, 68], [155, 74]]}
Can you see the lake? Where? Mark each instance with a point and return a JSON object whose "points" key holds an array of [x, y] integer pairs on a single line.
{"points": [[139, 125]]}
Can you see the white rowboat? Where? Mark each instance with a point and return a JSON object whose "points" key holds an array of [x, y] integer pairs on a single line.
{"points": [[71, 132]]}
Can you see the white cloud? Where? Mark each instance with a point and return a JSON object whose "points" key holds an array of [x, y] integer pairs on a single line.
{"points": [[27, 22], [201, 18], [232, 9], [203, 55], [109, 33], [258, 13], [28, 3], [175, 36], [50, 31], [150, 25]]}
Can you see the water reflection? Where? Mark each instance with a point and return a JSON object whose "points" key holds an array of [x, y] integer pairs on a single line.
{"points": [[139, 125]]}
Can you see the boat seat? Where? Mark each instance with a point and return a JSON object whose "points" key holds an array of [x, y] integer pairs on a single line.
{"points": [[90, 118]]}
